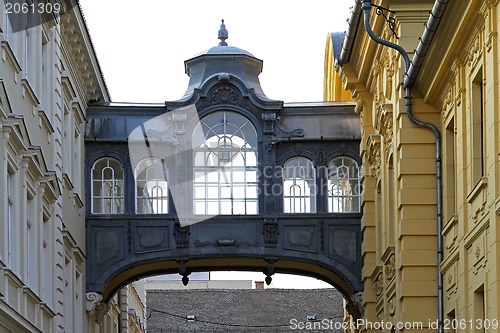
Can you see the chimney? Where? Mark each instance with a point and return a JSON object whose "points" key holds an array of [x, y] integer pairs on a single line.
{"points": [[259, 284]]}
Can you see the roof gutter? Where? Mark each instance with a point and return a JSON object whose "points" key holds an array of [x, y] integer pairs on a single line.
{"points": [[431, 26], [350, 34]]}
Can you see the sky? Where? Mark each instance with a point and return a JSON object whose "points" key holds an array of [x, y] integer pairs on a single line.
{"points": [[142, 46]]}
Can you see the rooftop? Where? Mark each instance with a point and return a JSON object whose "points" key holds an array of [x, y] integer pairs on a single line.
{"points": [[256, 310]]}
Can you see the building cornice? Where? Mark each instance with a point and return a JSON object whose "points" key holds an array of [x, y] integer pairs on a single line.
{"points": [[75, 35]]}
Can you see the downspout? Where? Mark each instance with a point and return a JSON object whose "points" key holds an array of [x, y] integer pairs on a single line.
{"points": [[411, 72]]}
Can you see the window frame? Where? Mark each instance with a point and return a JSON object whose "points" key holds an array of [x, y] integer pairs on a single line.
{"points": [[120, 197], [311, 196], [351, 180], [165, 198], [209, 133]]}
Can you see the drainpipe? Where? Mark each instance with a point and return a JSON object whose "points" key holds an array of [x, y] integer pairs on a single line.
{"points": [[411, 72]]}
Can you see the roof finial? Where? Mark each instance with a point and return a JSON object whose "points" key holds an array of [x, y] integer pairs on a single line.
{"points": [[223, 34]]}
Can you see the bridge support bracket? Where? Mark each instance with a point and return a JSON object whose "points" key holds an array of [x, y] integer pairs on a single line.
{"points": [[355, 306], [95, 306]]}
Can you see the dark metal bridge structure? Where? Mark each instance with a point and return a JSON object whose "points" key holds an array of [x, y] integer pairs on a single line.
{"points": [[194, 232]]}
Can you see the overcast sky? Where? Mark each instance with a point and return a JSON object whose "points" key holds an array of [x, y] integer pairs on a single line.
{"points": [[142, 45]]}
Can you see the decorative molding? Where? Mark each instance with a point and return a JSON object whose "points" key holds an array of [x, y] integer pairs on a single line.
{"points": [[280, 135], [225, 95], [271, 232], [355, 306], [9, 56], [28, 91], [226, 242], [181, 235], [387, 127], [269, 271], [101, 310], [374, 154], [477, 189], [269, 122], [74, 44], [95, 306], [321, 159], [92, 300], [450, 233], [474, 52], [45, 122], [179, 120], [390, 268], [392, 307]]}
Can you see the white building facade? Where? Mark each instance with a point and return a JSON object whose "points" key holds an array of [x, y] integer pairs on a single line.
{"points": [[48, 74]]}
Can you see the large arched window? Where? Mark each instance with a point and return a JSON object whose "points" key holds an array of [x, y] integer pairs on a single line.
{"points": [[299, 186], [151, 187], [344, 188], [225, 165], [107, 186]]}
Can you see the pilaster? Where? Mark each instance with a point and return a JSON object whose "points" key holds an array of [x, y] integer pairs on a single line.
{"points": [[4, 138]]}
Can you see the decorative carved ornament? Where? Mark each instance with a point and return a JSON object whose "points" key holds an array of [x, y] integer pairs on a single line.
{"points": [[389, 71], [474, 53], [392, 307], [390, 268], [271, 232], [451, 286], [225, 95], [447, 100], [387, 129], [355, 306], [374, 155], [479, 254], [388, 133], [92, 300], [95, 306], [181, 235]]}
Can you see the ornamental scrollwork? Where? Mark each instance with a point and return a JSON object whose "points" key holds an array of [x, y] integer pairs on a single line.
{"points": [[95, 306], [225, 95]]}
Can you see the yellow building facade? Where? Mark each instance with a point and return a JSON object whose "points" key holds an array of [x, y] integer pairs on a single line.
{"points": [[457, 91]]}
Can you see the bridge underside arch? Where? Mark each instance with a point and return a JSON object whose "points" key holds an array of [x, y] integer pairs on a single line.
{"points": [[278, 265], [348, 285]]}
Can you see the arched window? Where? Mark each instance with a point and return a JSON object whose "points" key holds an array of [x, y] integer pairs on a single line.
{"points": [[344, 186], [151, 187], [225, 165], [299, 186], [107, 186]]}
